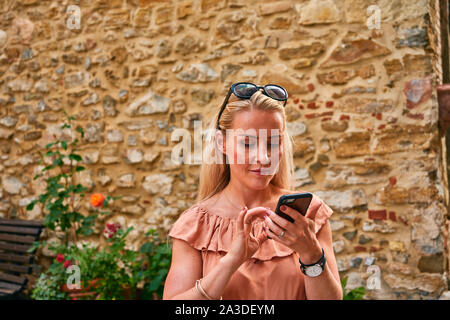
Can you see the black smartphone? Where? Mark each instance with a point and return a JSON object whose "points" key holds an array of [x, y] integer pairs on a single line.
{"points": [[297, 201]]}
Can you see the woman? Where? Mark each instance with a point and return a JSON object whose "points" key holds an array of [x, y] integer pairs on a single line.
{"points": [[230, 244]]}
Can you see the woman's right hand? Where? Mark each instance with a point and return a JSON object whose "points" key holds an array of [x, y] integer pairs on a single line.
{"points": [[245, 244]]}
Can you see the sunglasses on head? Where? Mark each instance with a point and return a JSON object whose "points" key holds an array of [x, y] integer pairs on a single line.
{"points": [[245, 90]]}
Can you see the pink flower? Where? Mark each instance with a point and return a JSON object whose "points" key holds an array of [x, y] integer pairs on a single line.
{"points": [[67, 264], [59, 257]]}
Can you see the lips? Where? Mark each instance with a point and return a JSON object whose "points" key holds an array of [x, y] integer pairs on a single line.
{"points": [[257, 171]]}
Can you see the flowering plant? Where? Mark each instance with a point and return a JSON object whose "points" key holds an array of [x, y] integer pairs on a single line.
{"points": [[59, 201], [113, 268]]}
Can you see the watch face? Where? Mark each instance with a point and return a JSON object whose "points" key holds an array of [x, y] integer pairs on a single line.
{"points": [[314, 270]]}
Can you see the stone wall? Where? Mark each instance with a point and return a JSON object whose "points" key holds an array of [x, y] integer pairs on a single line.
{"points": [[362, 110]]}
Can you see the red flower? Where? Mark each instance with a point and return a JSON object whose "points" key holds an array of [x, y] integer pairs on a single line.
{"points": [[67, 264], [97, 200], [111, 227], [59, 257]]}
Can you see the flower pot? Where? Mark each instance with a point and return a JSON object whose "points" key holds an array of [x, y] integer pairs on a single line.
{"points": [[86, 292]]}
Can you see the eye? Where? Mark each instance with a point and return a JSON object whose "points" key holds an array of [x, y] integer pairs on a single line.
{"points": [[248, 145]]}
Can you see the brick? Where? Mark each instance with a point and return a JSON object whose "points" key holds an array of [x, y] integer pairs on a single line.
{"points": [[359, 249], [377, 214], [274, 7], [392, 216], [353, 50], [417, 91], [352, 144]]}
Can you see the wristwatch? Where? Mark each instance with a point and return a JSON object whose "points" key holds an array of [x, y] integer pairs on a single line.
{"points": [[314, 269]]}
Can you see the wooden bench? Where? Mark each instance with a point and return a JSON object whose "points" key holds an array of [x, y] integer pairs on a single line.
{"points": [[16, 237]]}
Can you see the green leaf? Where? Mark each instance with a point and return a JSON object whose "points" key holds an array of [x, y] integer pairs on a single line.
{"points": [[30, 206], [155, 283], [75, 157]]}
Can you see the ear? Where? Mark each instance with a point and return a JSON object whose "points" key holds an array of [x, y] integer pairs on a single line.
{"points": [[221, 141]]}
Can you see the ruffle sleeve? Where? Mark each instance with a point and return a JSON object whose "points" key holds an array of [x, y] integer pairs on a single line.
{"points": [[319, 211], [204, 230]]}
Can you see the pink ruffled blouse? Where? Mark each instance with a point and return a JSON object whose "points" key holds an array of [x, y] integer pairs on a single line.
{"points": [[273, 272]]}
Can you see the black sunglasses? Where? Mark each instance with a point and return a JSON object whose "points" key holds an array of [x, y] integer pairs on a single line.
{"points": [[245, 90]]}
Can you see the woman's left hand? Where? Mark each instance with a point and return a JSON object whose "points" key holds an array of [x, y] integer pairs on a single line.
{"points": [[299, 235]]}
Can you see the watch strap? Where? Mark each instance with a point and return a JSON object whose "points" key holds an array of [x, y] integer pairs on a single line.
{"points": [[321, 262]]}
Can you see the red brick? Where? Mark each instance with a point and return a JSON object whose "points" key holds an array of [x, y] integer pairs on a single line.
{"points": [[379, 116], [360, 248], [301, 106], [312, 105], [311, 115], [329, 104], [392, 181], [381, 126], [344, 117], [415, 116], [310, 87], [326, 118], [392, 216], [374, 249], [377, 214], [296, 100]]}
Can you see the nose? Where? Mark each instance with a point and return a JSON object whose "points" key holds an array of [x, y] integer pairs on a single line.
{"points": [[263, 157]]}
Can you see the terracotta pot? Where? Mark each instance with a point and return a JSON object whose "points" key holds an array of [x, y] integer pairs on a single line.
{"points": [[89, 291], [90, 286]]}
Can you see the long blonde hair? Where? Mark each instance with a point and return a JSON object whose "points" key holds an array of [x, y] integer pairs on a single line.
{"points": [[214, 176]]}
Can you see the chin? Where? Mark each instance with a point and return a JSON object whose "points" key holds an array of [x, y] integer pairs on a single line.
{"points": [[259, 184]]}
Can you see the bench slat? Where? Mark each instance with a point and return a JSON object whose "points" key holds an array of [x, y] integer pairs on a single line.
{"points": [[16, 258], [15, 268], [10, 286], [12, 278], [20, 230], [5, 292], [14, 247], [18, 222], [15, 238]]}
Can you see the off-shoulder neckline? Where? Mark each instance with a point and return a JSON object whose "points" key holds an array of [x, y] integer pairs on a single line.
{"points": [[209, 212]]}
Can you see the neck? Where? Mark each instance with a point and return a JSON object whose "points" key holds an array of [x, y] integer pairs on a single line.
{"points": [[243, 196]]}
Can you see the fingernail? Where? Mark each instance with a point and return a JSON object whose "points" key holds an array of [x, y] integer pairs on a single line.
{"points": [[283, 208], [268, 212]]}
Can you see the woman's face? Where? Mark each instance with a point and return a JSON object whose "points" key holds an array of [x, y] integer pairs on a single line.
{"points": [[254, 147]]}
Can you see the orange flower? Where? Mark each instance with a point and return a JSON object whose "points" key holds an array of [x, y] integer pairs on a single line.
{"points": [[97, 200]]}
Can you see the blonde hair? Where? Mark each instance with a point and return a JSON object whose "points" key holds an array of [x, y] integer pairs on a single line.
{"points": [[215, 176]]}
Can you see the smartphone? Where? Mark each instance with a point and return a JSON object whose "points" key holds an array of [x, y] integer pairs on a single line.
{"points": [[297, 201]]}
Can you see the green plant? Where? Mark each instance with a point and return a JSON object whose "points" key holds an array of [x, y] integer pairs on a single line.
{"points": [[156, 257], [58, 202], [113, 267], [354, 294], [48, 285]]}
